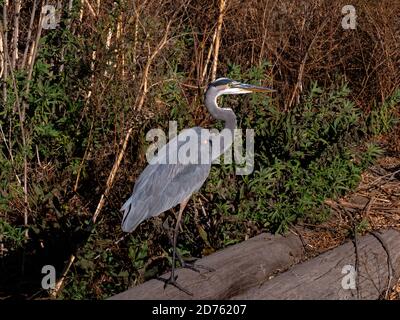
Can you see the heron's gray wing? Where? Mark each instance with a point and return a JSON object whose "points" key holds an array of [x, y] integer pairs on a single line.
{"points": [[161, 187]]}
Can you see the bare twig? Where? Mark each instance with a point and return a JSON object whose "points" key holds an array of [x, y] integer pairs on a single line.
{"points": [[135, 41], [14, 56], [98, 6], [32, 56], [222, 4], [391, 269], [81, 10], [5, 50], [210, 49], [298, 86], [60, 282], [357, 254], [2, 58], [90, 9], [8, 147], [112, 174], [29, 36], [144, 85], [120, 53], [108, 44], [390, 175]]}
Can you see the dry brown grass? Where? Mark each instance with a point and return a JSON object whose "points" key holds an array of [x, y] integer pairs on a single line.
{"points": [[303, 40], [129, 49]]}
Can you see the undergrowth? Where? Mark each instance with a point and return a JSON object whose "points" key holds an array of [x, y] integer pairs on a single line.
{"points": [[305, 154]]}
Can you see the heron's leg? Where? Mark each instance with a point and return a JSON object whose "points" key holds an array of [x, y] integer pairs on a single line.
{"points": [[176, 232], [188, 263], [172, 278]]}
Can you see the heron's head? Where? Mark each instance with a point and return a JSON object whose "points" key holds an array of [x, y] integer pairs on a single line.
{"points": [[228, 86]]}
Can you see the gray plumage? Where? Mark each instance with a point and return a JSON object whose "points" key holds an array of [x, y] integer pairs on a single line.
{"points": [[163, 185]]}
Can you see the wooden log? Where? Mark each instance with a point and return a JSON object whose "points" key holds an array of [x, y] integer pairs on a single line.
{"points": [[243, 271], [327, 276], [237, 268]]}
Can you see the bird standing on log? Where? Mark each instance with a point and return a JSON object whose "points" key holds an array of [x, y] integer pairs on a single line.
{"points": [[168, 180]]}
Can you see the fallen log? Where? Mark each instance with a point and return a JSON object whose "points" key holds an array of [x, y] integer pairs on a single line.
{"points": [[237, 268], [332, 275], [244, 271]]}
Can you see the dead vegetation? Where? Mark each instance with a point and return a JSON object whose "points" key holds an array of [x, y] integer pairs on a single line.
{"points": [[373, 206], [114, 62]]}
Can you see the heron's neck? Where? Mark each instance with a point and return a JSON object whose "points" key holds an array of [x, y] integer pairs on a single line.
{"points": [[218, 113]]}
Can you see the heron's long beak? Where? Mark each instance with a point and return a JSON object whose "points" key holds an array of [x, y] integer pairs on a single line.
{"points": [[252, 88]]}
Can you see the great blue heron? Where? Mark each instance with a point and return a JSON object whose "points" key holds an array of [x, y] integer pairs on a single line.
{"points": [[163, 185]]}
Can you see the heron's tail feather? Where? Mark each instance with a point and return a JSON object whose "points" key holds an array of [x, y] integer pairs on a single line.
{"points": [[134, 214]]}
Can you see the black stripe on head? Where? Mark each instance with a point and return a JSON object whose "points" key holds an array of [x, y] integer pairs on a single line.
{"points": [[221, 82]]}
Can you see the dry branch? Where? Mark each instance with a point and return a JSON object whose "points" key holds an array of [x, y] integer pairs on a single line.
{"points": [[222, 4], [210, 49], [5, 50], [298, 88], [17, 11], [34, 51], [60, 282], [144, 85], [28, 38], [111, 177], [90, 10]]}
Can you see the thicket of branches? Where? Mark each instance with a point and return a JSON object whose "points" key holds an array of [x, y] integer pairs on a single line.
{"points": [[78, 100]]}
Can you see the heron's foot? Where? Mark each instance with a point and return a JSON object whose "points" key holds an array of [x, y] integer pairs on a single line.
{"points": [[172, 281]]}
